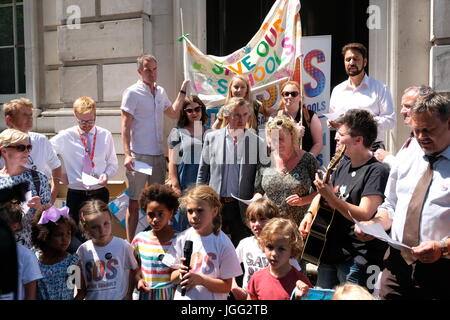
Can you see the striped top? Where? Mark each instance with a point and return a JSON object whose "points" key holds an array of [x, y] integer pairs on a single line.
{"points": [[151, 253]]}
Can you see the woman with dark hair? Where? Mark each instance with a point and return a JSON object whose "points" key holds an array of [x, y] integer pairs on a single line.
{"points": [[308, 121], [185, 149], [355, 192], [185, 144]]}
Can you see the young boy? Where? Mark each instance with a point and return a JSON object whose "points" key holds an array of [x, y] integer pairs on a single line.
{"points": [[249, 253]]}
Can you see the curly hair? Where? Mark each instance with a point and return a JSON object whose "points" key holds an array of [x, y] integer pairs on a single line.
{"points": [[11, 213], [160, 193], [283, 122], [209, 195], [41, 233], [282, 228]]}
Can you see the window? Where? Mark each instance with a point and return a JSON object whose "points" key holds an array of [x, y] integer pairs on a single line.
{"points": [[12, 48]]}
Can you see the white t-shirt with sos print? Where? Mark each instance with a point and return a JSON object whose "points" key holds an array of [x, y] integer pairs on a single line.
{"points": [[106, 269], [213, 256]]}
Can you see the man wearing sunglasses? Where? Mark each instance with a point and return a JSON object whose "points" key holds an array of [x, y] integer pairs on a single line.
{"points": [[144, 105], [360, 91], [42, 157]]}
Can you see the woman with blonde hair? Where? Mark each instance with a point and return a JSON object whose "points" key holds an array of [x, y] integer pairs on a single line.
{"points": [[289, 179], [15, 148], [240, 88]]}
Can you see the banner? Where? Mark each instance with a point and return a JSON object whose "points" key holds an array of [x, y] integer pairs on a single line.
{"points": [[269, 56], [316, 74]]}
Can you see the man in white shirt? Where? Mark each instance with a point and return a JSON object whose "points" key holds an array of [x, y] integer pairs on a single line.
{"points": [[362, 92], [87, 150], [420, 272], [19, 115], [144, 105]]}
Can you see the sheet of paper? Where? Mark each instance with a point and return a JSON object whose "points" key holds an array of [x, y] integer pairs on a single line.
{"points": [[247, 202], [376, 230], [142, 167], [88, 180], [24, 204], [333, 116]]}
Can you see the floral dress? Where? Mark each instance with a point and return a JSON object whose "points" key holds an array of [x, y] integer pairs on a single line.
{"points": [[24, 236], [55, 284], [278, 186]]}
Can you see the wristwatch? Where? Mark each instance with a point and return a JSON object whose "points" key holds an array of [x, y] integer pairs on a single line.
{"points": [[444, 247]]}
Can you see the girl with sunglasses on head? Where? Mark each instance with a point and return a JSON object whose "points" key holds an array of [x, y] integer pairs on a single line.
{"points": [[185, 148], [310, 126], [15, 148]]}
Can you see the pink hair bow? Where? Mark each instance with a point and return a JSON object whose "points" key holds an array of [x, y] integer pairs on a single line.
{"points": [[53, 214]]}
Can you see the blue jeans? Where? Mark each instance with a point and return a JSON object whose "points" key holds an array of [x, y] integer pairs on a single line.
{"points": [[332, 275]]}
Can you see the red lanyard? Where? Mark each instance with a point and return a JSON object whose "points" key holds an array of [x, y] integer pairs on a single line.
{"points": [[86, 149]]}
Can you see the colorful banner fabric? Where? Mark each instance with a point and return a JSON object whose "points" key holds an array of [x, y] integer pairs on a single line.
{"points": [[269, 56]]}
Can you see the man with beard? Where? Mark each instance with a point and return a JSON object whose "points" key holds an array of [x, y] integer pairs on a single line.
{"points": [[362, 92]]}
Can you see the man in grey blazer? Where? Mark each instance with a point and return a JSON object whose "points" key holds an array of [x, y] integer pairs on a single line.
{"points": [[228, 164]]}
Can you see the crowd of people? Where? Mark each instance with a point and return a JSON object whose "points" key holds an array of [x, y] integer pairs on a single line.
{"points": [[223, 247]]}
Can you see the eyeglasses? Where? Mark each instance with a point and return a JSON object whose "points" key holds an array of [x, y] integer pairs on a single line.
{"points": [[21, 147], [86, 121], [196, 110], [287, 94]]}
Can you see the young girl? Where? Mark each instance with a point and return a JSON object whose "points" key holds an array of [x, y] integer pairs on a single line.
{"points": [[213, 262], [51, 232], [153, 279], [106, 261], [280, 241], [240, 88], [26, 266], [258, 213]]}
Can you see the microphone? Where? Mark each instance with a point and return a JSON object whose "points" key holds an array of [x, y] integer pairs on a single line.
{"points": [[187, 254]]}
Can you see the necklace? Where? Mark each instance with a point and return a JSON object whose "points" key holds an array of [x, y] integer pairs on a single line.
{"points": [[287, 164]]}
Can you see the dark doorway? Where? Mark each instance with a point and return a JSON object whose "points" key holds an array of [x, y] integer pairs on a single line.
{"points": [[232, 23]]}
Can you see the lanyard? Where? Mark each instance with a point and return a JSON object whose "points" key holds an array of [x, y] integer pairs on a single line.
{"points": [[86, 149]]}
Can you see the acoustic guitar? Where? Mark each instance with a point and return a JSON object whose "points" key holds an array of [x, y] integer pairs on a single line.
{"points": [[323, 217]]}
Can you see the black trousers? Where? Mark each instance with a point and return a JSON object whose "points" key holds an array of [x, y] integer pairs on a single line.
{"points": [[232, 223], [74, 202], [401, 281]]}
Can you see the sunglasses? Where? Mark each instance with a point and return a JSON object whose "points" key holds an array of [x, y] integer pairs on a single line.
{"points": [[287, 94], [22, 147], [196, 110]]}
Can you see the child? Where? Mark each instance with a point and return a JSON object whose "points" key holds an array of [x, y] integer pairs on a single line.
{"points": [[51, 232], [213, 260], [153, 279], [105, 260], [280, 241], [28, 267], [240, 88], [351, 291], [258, 213]]}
